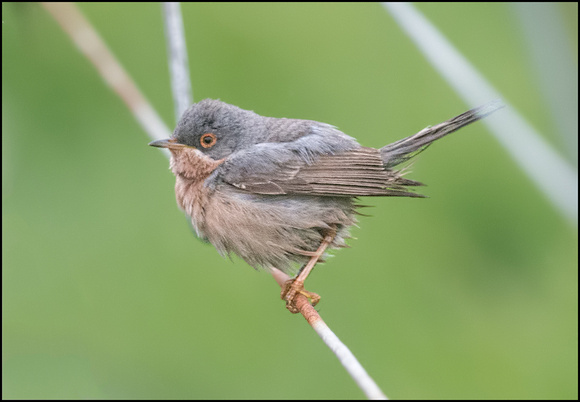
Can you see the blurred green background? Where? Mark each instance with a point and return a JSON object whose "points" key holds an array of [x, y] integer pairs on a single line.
{"points": [[106, 293]]}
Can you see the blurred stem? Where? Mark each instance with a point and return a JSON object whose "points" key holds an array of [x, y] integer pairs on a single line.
{"points": [[177, 55], [541, 24], [88, 41], [551, 173]]}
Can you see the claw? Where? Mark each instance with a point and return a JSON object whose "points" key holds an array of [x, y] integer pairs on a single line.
{"points": [[292, 288], [296, 285]]}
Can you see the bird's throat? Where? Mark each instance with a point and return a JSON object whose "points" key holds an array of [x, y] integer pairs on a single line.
{"points": [[192, 164]]}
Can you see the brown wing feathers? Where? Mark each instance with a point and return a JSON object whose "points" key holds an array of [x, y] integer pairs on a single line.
{"points": [[359, 172]]}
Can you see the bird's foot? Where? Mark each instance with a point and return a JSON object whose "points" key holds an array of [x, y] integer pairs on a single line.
{"points": [[293, 288]]}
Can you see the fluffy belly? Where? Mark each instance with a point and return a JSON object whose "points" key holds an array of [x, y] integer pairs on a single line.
{"points": [[266, 230]]}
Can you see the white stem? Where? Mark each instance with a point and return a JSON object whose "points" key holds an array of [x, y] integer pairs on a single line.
{"points": [[177, 55], [557, 179]]}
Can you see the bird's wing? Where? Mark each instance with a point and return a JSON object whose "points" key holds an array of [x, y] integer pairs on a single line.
{"points": [[273, 169]]}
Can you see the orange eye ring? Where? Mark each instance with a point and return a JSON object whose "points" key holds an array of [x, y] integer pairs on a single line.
{"points": [[208, 140]]}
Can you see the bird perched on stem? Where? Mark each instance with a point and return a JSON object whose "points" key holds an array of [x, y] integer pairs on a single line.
{"points": [[279, 192]]}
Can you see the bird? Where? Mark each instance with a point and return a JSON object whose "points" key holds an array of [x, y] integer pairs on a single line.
{"points": [[281, 192]]}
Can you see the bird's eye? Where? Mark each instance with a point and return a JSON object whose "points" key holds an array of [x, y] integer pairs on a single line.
{"points": [[208, 140]]}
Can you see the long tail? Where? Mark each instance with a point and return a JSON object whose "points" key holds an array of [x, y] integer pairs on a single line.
{"points": [[402, 150]]}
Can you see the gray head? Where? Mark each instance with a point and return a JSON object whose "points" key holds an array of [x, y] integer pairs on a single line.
{"points": [[218, 129]]}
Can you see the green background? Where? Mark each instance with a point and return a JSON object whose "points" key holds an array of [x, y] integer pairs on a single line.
{"points": [[471, 293]]}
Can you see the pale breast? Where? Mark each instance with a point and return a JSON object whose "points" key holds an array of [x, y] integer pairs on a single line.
{"points": [[191, 168]]}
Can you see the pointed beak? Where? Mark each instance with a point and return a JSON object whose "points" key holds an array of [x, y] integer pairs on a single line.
{"points": [[165, 143], [170, 143]]}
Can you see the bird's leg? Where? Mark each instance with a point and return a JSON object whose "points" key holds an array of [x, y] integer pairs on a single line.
{"points": [[296, 285]]}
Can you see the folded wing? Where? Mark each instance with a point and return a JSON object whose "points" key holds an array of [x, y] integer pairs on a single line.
{"points": [[352, 173]]}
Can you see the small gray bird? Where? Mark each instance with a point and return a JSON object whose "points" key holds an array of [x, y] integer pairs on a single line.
{"points": [[278, 192]]}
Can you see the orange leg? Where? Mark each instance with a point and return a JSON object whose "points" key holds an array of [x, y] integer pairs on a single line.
{"points": [[296, 285]]}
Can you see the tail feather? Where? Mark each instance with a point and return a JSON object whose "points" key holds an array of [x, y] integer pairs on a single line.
{"points": [[402, 150]]}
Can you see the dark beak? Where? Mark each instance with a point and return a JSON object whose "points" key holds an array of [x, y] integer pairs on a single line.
{"points": [[170, 143], [165, 143]]}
